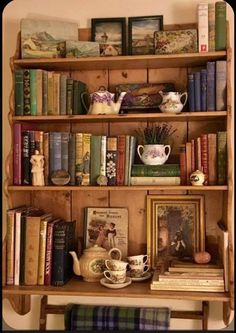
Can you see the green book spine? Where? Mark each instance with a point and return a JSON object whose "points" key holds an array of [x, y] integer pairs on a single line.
{"points": [[63, 79], [69, 96], [221, 158], [19, 92], [165, 170], [220, 24], [26, 88], [33, 92], [50, 94], [81, 89], [95, 158], [45, 93], [127, 157], [75, 97]]}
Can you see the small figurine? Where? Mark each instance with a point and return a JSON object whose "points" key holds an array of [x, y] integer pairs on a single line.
{"points": [[202, 257], [102, 180], [37, 161], [197, 178]]}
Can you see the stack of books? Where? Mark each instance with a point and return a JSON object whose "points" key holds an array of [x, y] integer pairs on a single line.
{"points": [[207, 153], [165, 174], [183, 276], [38, 246]]}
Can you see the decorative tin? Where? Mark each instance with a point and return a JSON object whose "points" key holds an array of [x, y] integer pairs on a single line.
{"points": [[175, 41]]}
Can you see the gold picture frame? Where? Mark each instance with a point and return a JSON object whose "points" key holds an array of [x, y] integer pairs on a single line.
{"points": [[175, 227]]}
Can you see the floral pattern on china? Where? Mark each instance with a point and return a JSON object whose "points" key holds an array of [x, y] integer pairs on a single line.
{"points": [[154, 154], [171, 101]]}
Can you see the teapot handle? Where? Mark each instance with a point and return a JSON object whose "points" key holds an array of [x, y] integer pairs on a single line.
{"points": [[169, 150], [138, 150], [115, 249], [186, 97], [82, 95]]}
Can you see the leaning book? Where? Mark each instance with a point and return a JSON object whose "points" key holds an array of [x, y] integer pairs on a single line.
{"points": [[107, 227]]}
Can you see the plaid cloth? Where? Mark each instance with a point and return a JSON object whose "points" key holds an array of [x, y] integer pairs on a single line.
{"points": [[115, 318]]}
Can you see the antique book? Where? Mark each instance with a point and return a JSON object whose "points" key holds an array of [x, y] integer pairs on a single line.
{"points": [[221, 85], [127, 156], [50, 94], [181, 263], [107, 227], [198, 154], [213, 270], [63, 243], [26, 174], [57, 161], [182, 164], [188, 161], [38, 142], [204, 157], [33, 92], [86, 157], [190, 281], [95, 158], [197, 91], [185, 287], [212, 158], [71, 157], [32, 233], [45, 93], [211, 27], [111, 160], [164, 170], [223, 250], [80, 49], [203, 91], [132, 151], [56, 93], [203, 27], [39, 92], [69, 96], [75, 101], [78, 158], [64, 150], [193, 155], [103, 155], [48, 256], [221, 158], [19, 92], [220, 26], [120, 160], [26, 90], [46, 157], [211, 96], [42, 248], [155, 181], [63, 79], [191, 92]]}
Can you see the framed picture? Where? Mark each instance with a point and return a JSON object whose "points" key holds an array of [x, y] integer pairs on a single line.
{"points": [[141, 33], [107, 227], [175, 227], [110, 34]]}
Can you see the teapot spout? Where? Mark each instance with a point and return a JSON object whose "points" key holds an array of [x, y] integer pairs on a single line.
{"points": [[117, 105], [76, 263]]}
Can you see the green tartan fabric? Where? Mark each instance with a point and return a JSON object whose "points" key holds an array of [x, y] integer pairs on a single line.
{"points": [[115, 318]]}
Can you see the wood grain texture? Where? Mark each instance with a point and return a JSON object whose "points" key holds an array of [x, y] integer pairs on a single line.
{"points": [[93, 78]]}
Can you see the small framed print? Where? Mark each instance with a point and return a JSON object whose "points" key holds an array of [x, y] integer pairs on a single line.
{"points": [[141, 33], [110, 34]]}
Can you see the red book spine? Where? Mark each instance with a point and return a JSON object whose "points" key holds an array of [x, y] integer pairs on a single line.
{"points": [[193, 166], [121, 160], [182, 163], [48, 259], [204, 156]]}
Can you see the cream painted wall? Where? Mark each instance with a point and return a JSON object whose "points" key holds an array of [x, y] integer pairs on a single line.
{"points": [[80, 11]]}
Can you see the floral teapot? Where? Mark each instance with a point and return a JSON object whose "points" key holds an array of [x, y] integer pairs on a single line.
{"points": [[102, 102], [92, 262], [171, 101]]}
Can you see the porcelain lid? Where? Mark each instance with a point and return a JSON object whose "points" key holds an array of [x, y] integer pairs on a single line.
{"points": [[95, 248]]}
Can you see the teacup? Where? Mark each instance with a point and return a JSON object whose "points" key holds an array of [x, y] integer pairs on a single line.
{"points": [[116, 276], [115, 265], [140, 259], [138, 270]]}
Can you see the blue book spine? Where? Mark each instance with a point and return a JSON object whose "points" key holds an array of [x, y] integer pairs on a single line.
{"points": [[203, 89], [211, 94], [197, 90], [57, 151], [64, 150], [191, 97]]}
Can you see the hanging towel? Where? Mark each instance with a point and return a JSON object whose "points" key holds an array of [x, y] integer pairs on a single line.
{"points": [[114, 318]]}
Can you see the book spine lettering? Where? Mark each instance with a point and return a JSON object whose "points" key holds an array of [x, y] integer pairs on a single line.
{"points": [[17, 154], [155, 181], [203, 27], [56, 151], [211, 26], [86, 159], [220, 25], [69, 96], [63, 79], [121, 161], [42, 252], [64, 150], [26, 158], [46, 157], [27, 111], [19, 92], [111, 160], [45, 93], [39, 92], [58, 263], [204, 157], [33, 92], [103, 155], [78, 158]]}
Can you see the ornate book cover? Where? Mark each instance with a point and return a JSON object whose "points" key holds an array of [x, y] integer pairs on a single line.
{"points": [[86, 158], [39, 92], [33, 92], [203, 27], [107, 227], [111, 160], [204, 156], [26, 90], [50, 94], [120, 160], [19, 92], [64, 150], [45, 93]]}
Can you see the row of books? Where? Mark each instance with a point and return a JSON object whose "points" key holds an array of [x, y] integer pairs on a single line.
{"points": [[212, 30], [165, 174], [38, 246], [207, 87], [207, 153], [83, 155], [40, 92]]}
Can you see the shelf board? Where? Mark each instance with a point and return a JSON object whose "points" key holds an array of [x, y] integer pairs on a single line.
{"points": [[77, 287], [122, 62], [183, 116], [119, 188]]}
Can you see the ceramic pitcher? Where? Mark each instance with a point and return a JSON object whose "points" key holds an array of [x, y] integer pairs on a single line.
{"points": [[171, 101]]}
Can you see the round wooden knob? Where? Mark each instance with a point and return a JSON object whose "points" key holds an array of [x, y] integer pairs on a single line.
{"points": [[202, 257]]}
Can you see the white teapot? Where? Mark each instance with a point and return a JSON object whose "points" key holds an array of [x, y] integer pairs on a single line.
{"points": [[171, 101], [102, 102]]}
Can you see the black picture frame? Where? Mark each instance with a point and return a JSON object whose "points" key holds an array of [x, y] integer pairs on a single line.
{"points": [[144, 45], [103, 36]]}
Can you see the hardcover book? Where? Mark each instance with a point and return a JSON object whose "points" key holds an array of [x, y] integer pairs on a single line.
{"points": [[223, 250], [26, 91], [46, 157], [155, 181], [39, 92], [33, 92], [26, 158], [203, 27], [111, 160], [165, 170], [204, 157], [69, 96], [71, 157], [191, 92], [220, 25], [197, 91], [211, 95], [45, 93], [221, 85], [78, 158], [65, 151], [63, 79], [203, 92], [182, 163], [211, 27], [212, 158], [120, 160], [50, 94], [86, 157], [19, 92], [103, 155], [107, 227], [221, 158], [95, 158]]}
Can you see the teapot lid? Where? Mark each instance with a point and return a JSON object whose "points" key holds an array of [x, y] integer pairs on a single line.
{"points": [[95, 248]]}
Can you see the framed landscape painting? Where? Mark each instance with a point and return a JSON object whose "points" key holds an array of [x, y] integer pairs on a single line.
{"points": [[110, 34], [141, 33], [175, 227]]}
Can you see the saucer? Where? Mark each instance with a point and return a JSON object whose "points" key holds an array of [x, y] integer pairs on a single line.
{"points": [[146, 276], [105, 282]]}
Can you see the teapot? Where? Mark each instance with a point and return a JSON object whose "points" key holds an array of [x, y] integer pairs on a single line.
{"points": [[171, 101], [102, 102], [197, 178], [154, 154], [92, 262]]}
